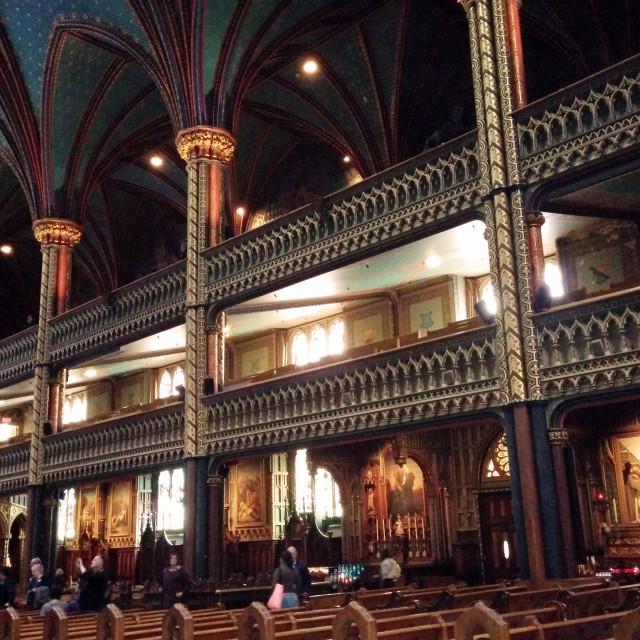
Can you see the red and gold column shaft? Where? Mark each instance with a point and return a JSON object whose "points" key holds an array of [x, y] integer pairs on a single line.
{"points": [[57, 237], [207, 151]]}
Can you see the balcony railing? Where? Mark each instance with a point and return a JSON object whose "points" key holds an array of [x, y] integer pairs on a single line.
{"points": [[590, 344], [591, 118], [128, 443], [442, 375]]}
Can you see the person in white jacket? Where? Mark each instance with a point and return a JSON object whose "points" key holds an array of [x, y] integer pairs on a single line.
{"points": [[389, 570]]}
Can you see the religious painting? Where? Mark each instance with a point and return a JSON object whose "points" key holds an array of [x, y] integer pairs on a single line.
{"points": [[627, 508], [120, 521], [598, 259], [250, 495], [426, 309], [254, 361], [88, 511], [404, 487], [368, 330]]}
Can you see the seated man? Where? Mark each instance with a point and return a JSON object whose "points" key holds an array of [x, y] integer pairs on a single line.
{"points": [[38, 589], [93, 590]]}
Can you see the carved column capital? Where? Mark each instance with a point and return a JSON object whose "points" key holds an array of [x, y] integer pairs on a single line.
{"points": [[205, 143], [466, 3], [215, 481], [559, 436], [535, 219], [57, 231]]}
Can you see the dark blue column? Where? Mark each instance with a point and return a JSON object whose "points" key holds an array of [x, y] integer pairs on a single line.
{"points": [[522, 551], [553, 549], [201, 520]]}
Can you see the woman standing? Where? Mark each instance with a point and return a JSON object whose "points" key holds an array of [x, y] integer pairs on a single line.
{"points": [[175, 582], [289, 578]]}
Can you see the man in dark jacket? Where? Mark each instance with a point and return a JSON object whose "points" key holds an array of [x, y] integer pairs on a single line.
{"points": [[301, 567], [92, 589]]}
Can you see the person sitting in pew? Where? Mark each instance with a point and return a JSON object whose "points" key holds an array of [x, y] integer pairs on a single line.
{"points": [[94, 590]]}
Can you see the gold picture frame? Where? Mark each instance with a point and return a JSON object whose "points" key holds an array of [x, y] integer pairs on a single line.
{"points": [[250, 503], [87, 511], [120, 522]]}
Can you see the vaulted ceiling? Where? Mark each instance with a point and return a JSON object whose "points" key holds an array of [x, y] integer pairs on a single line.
{"points": [[90, 90]]}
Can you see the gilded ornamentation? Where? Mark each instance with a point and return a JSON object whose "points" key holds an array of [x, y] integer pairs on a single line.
{"points": [[205, 143], [57, 231]]}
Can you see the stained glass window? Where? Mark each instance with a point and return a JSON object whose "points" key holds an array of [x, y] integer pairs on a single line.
{"points": [[165, 388], [318, 344], [497, 465], [299, 349], [171, 500], [178, 380], [336, 337], [67, 516]]}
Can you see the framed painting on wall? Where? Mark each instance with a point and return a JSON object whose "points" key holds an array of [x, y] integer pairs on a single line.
{"points": [[404, 487], [120, 523], [250, 494], [87, 510]]}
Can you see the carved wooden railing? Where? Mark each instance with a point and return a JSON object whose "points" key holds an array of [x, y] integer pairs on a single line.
{"points": [[130, 443], [14, 467], [18, 356], [582, 123], [403, 386], [590, 345], [401, 204], [141, 308]]}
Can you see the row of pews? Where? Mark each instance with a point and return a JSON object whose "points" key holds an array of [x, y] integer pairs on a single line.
{"points": [[579, 609]]}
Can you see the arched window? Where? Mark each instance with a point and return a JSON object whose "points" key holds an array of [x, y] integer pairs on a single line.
{"points": [[299, 349], [553, 277], [318, 344], [489, 298], [497, 463], [304, 501], [323, 498], [66, 412], [170, 500], [336, 336], [67, 516], [78, 409], [165, 387], [327, 495], [178, 380]]}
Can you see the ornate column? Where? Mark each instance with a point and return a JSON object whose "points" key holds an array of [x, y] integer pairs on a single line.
{"points": [[56, 238], [207, 151], [535, 220], [509, 253], [517, 58], [61, 236], [559, 444]]}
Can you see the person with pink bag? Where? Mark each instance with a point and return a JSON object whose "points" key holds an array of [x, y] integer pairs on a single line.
{"points": [[286, 581]]}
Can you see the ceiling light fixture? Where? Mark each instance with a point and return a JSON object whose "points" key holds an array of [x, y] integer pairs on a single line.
{"points": [[310, 66], [433, 261], [7, 249], [90, 373], [240, 211], [156, 160], [346, 159]]}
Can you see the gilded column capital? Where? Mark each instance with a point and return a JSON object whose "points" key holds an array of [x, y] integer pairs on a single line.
{"points": [[559, 436], [57, 231], [216, 481], [535, 219], [205, 143], [466, 3]]}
